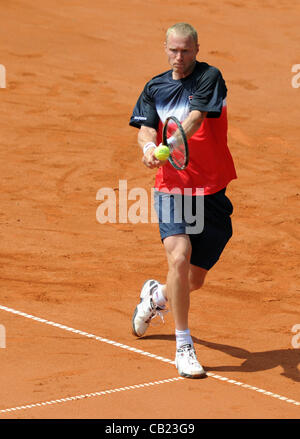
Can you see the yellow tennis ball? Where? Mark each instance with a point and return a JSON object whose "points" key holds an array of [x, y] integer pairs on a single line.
{"points": [[162, 152]]}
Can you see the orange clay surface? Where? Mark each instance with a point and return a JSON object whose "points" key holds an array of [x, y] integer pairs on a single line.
{"points": [[73, 73]]}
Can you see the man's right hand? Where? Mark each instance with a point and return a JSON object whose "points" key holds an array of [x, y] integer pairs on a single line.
{"points": [[150, 160]]}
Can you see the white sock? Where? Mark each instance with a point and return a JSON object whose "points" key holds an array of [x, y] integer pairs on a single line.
{"points": [[158, 297], [183, 337]]}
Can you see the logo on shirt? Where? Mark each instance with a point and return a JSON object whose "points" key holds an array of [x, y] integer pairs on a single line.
{"points": [[190, 98]]}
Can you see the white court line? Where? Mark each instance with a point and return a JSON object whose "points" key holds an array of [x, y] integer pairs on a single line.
{"points": [[139, 351], [89, 395]]}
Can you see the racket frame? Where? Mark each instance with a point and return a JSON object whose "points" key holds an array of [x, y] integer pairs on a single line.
{"points": [[185, 143]]}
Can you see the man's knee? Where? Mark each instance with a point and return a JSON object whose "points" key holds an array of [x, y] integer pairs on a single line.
{"points": [[179, 262], [178, 249]]}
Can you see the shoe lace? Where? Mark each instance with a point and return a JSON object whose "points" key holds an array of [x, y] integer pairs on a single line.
{"points": [[158, 312], [190, 351]]}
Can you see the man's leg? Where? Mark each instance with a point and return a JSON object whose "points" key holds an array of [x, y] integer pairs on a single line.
{"points": [[178, 250], [196, 279], [180, 274]]}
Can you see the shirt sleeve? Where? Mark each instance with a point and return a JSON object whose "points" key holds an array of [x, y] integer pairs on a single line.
{"points": [[210, 93], [144, 112]]}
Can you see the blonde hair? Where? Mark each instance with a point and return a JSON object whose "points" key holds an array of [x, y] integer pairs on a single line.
{"points": [[184, 29]]}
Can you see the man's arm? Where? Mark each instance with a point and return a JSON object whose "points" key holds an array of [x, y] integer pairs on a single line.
{"points": [[190, 125], [193, 122], [146, 135], [147, 138]]}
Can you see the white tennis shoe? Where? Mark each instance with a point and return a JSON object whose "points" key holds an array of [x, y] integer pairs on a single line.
{"points": [[146, 309], [187, 364]]}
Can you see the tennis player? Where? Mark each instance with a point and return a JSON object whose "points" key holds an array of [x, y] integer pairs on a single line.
{"points": [[195, 93]]}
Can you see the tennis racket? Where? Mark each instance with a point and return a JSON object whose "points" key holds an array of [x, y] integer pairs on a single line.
{"points": [[179, 154]]}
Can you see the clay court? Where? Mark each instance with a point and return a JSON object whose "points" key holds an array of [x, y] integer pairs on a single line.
{"points": [[69, 285]]}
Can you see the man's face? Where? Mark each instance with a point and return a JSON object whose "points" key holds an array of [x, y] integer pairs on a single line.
{"points": [[181, 52]]}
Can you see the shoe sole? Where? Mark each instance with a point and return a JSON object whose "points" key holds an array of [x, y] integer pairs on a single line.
{"points": [[136, 310], [200, 376], [197, 376], [132, 324]]}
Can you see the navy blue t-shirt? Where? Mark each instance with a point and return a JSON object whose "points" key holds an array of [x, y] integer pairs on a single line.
{"points": [[204, 90]]}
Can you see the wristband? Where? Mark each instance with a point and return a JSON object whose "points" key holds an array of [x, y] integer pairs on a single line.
{"points": [[148, 146]]}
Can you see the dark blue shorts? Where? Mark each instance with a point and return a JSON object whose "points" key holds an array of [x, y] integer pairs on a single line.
{"points": [[206, 219]]}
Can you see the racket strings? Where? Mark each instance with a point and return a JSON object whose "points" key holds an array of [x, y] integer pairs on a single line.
{"points": [[178, 153]]}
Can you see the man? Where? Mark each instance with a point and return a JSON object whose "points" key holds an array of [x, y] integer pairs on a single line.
{"points": [[195, 93]]}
